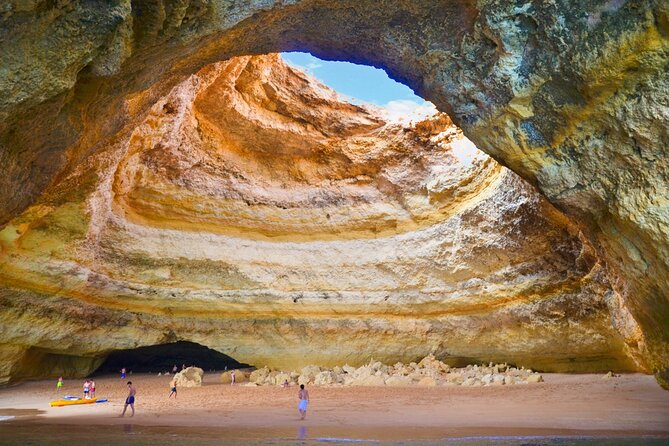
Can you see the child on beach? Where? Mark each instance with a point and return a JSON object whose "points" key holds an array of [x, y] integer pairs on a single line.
{"points": [[59, 384], [92, 392], [87, 389], [123, 373]]}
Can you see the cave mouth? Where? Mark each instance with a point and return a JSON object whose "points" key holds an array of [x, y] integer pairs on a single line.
{"points": [[163, 357], [318, 232]]}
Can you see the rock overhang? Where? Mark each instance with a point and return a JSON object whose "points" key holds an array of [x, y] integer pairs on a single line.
{"points": [[569, 96]]}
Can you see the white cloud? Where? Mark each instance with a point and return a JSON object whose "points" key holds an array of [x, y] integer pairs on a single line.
{"points": [[404, 110]]}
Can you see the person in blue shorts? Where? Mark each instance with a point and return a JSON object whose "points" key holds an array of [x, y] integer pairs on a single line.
{"points": [[130, 400], [303, 395]]}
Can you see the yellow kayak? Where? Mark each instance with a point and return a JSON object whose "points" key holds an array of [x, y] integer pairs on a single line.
{"points": [[59, 403]]}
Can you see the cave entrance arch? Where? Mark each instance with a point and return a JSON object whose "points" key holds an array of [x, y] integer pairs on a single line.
{"points": [[162, 358]]}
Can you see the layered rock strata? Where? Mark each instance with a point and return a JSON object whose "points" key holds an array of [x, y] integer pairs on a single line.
{"points": [[571, 95], [255, 212]]}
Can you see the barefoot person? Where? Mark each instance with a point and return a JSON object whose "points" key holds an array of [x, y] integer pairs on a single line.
{"points": [[87, 389], [232, 378], [123, 373], [59, 384], [173, 388], [92, 387], [303, 395], [130, 401]]}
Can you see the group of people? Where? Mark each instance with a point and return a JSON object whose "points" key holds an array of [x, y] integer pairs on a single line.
{"points": [[89, 387], [89, 392]]}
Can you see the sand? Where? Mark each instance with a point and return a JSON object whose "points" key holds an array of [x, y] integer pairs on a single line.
{"points": [[630, 405]]}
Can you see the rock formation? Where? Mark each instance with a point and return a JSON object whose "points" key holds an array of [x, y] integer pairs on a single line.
{"points": [[189, 377], [255, 212], [428, 372], [570, 95]]}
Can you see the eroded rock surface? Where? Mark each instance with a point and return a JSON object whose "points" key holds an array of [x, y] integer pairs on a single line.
{"points": [[428, 372], [255, 212]]}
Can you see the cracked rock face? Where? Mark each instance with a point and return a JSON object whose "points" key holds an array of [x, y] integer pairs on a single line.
{"points": [[570, 96], [255, 212]]}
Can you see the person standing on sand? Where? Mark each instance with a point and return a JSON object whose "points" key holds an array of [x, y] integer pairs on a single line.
{"points": [[87, 389], [59, 384], [130, 400], [92, 389], [303, 395], [173, 388], [123, 373], [232, 378]]}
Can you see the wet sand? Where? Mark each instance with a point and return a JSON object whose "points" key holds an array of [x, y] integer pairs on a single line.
{"points": [[565, 405]]}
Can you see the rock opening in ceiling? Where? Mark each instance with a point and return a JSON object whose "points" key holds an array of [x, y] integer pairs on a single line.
{"points": [[163, 357], [254, 211]]}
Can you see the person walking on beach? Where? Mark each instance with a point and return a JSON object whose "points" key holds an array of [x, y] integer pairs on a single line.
{"points": [[87, 389], [232, 378], [130, 400], [123, 373], [173, 388], [92, 393], [59, 384], [303, 395]]}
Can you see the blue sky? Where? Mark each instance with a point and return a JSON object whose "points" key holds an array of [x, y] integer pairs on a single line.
{"points": [[364, 84]]}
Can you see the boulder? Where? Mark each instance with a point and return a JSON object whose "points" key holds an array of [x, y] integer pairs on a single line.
{"points": [[189, 377], [349, 369], [324, 378], [281, 378], [308, 373], [535, 378], [399, 381], [498, 380], [259, 375], [369, 380], [226, 377], [428, 381], [240, 376]]}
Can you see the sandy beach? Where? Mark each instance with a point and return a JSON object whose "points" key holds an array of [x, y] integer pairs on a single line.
{"points": [[564, 405]]}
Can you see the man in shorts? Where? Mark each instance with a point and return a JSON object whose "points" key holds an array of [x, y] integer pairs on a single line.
{"points": [[173, 388], [303, 395], [130, 400]]}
